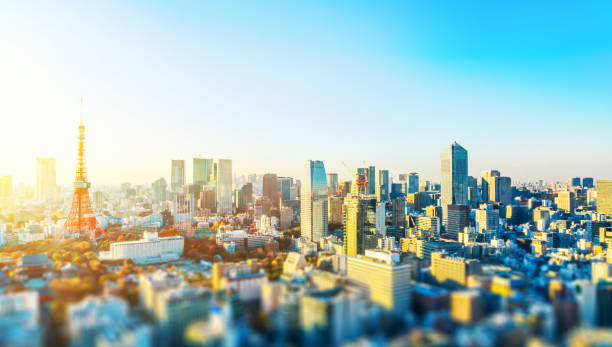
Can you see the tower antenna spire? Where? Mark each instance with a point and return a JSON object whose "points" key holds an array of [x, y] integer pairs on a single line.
{"points": [[81, 110]]}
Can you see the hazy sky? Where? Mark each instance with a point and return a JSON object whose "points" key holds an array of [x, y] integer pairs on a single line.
{"points": [[525, 87]]}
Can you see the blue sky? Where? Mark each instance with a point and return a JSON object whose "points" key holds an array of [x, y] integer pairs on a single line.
{"points": [[524, 87]]}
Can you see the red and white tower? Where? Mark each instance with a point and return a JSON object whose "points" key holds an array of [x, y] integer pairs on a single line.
{"points": [[81, 219]]}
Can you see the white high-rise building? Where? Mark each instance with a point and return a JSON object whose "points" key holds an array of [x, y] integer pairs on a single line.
{"points": [[313, 210], [454, 188], [224, 187], [45, 179]]}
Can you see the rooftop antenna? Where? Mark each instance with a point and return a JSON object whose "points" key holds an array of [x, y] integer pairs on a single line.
{"points": [[81, 110]]}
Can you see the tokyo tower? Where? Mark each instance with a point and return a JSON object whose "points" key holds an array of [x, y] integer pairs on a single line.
{"points": [[81, 219]]}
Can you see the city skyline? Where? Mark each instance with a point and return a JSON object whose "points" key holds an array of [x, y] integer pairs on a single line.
{"points": [[267, 82], [305, 174]]}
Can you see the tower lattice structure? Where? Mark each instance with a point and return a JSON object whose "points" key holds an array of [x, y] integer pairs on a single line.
{"points": [[81, 219]]}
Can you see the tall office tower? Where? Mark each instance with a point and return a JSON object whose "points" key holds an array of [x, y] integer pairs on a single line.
{"points": [[359, 224], [6, 186], [458, 219], [487, 220], [246, 195], [371, 180], [496, 188], [335, 213], [270, 188], [396, 191], [413, 182], [45, 179], [503, 190], [381, 218], [454, 190], [473, 191], [224, 187], [587, 182], [177, 177], [81, 218], [202, 171], [487, 177], [159, 189], [398, 212], [313, 209], [382, 189], [333, 185], [566, 201], [575, 182], [284, 187], [604, 197]]}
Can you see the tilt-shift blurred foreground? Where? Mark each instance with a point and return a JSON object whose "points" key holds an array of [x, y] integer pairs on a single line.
{"points": [[415, 173]]}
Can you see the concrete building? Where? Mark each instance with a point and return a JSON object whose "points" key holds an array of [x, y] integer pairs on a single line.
{"points": [[335, 209], [286, 217], [458, 219], [454, 270], [151, 246], [465, 306], [384, 280], [604, 197], [566, 201]]}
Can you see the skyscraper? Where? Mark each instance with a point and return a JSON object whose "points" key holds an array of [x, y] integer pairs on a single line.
{"points": [[177, 178], [382, 190], [587, 182], [413, 182], [224, 187], [458, 219], [270, 189], [246, 194], [284, 187], [359, 224], [575, 182], [371, 180], [314, 202], [604, 197], [473, 191], [45, 179], [454, 178], [159, 188], [332, 184], [398, 212], [485, 183], [496, 188], [202, 171]]}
